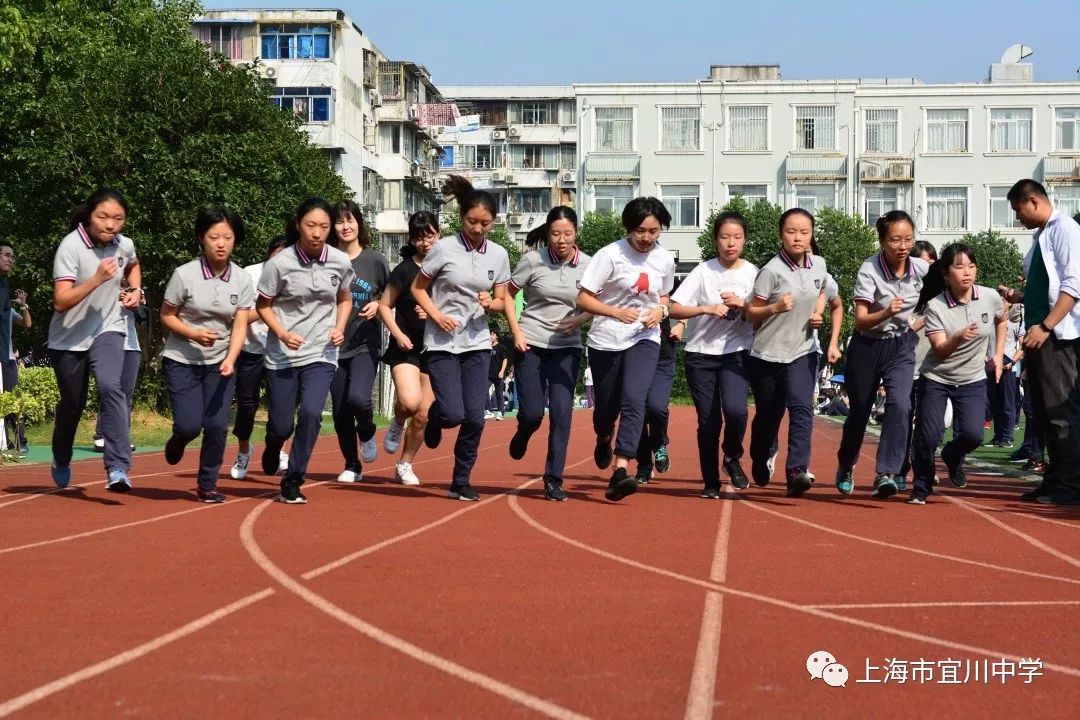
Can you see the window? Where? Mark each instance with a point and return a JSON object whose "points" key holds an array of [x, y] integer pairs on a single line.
{"points": [[311, 104], [223, 39], [534, 156], [946, 208], [391, 195], [680, 129], [1010, 129], [466, 156], [750, 193], [749, 128], [566, 112], [880, 200], [615, 129], [390, 139], [537, 113], [815, 127], [483, 157], [295, 42], [530, 200], [1066, 199], [1067, 128], [882, 130], [1001, 213], [682, 202], [947, 131], [568, 157], [612, 198], [813, 196]]}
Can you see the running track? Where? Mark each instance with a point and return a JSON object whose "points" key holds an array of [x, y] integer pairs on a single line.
{"points": [[380, 601]]}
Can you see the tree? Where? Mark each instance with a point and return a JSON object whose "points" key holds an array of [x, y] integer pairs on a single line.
{"points": [[599, 229], [762, 232], [999, 260], [845, 241], [451, 225]]}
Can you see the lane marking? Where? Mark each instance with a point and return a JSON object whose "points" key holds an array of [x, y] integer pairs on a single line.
{"points": [[1034, 542], [976, 603]]}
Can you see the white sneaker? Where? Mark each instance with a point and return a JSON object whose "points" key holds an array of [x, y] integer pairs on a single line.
{"points": [[348, 476], [771, 463], [369, 450], [239, 468], [99, 444], [405, 474], [488, 414], [392, 441], [498, 416], [283, 462]]}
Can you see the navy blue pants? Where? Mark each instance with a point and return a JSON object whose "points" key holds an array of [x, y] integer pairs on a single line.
{"points": [[1006, 407], [105, 359], [460, 384], [297, 397], [350, 397], [654, 432], [1033, 438], [969, 410], [780, 386], [250, 372], [872, 362], [549, 373], [621, 381], [201, 400], [129, 377], [719, 386], [497, 396]]}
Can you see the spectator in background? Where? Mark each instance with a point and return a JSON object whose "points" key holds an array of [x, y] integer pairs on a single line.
{"points": [[590, 398], [497, 378], [13, 311]]}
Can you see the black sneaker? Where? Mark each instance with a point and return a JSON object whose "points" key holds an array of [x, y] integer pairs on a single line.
{"points": [[956, 474], [519, 444], [662, 459], [432, 433], [884, 486], [209, 496], [271, 459], [602, 453], [760, 473], [1037, 492], [1019, 455], [734, 470], [620, 486], [290, 494], [174, 450], [643, 475], [553, 489], [712, 492], [799, 482], [1060, 498], [463, 492]]}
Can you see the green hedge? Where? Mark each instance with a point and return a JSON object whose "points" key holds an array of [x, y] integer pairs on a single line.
{"points": [[35, 396]]}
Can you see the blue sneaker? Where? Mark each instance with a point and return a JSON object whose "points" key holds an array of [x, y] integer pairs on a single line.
{"points": [[884, 486], [845, 482], [61, 475], [661, 460], [118, 482], [901, 482]]}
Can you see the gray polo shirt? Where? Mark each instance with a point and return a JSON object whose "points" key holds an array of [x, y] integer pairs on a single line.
{"points": [[788, 336], [458, 274], [945, 314], [551, 288], [304, 291], [77, 259], [876, 285], [207, 302], [131, 338]]}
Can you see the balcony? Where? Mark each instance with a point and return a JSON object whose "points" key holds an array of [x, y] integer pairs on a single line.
{"points": [[886, 170], [619, 167], [823, 166], [1061, 169]]}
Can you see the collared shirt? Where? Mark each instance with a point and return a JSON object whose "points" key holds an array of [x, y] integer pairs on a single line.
{"points": [[1059, 244], [786, 337], [304, 291], [876, 285], [551, 288], [703, 286], [622, 277], [946, 314], [208, 302], [77, 259], [459, 273], [255, 343]]}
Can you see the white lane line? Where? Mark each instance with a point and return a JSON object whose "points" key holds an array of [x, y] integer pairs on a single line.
{"points": [[701, 699], [1034, 542], [18, 703], [976, 603], [777, 602]]}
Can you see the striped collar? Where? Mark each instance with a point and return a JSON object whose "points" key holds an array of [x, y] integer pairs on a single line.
{"points": [[85, 236], [208, 272], [305, 260], [886, 271], [951, 300], [468, 246], [787, 259], [573, 262]]}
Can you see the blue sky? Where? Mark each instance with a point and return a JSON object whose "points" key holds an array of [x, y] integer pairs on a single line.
{"points": [[514, 42]]}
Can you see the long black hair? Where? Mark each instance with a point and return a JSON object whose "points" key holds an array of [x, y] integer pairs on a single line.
{"points": [[343, 208], [292, 230], [935, 283], [81, 214], [469, 197], [538, 236]]}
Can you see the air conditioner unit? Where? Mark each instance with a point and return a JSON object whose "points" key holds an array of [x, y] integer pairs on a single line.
{"points": [[514, 132], [268, 71], [510, 180], [899, 169], [566, 176], [496, 176], [376, 99], [498, 134], [516, 219], [871, 170]]}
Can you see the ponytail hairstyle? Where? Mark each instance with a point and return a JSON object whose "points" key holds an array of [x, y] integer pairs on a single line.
{"points": [[343, 208], [889, 219], [420, 223], [292, 230], [922, 246], [797, 211], [538, 236], [81, 214], [934, 283], [276, 243], [468, 197]]}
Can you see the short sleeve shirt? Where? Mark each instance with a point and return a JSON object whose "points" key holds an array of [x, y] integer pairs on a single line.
{"points": [[208, 302], [131, 337], [405, 315], [786, 337], [459, 272], [703, 286], [77, 259], [876, 285], [551, 288], [946, 314], [304, 291], [370, 272], [256, 335], [622, 277]]}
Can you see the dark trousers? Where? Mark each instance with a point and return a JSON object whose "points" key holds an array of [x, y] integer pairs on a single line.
{"points": [[350, 397], [250, 372], [105, 359], [497, 395], [459, 382], [621, 381], [1054, 370], [872, 362], [297, 397], [549, 373], [780, 386], [654, 431], [129, 377], [969, 405], [201, 400], [1034, 443], [719, 386], [1006, 407], [13, 423]]}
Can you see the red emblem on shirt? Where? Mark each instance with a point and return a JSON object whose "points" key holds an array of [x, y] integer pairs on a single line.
{"points": [[642, 284]]}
